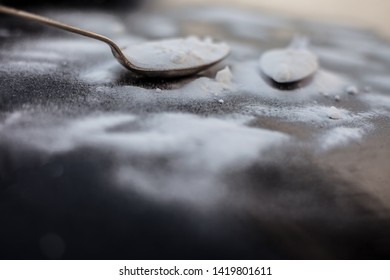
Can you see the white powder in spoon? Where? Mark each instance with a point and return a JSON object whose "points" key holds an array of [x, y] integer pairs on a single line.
{"points": [[176, 53], [288, 65]]}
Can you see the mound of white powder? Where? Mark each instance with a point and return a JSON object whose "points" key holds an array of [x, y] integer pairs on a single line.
{"points": [[176, 53]]}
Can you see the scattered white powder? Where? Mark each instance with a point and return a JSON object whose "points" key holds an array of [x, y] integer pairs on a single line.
{"points": [[288, 65], [176, 53], [340, 136], [4, 33], [73, 49], [325, 94], [367, 89], [102, 72], [192, 145], [32, 55], [345, 58], [208, 40], [248, 81], [334, 113], [380, 80], [220, 101], [173, 129], [201, 146], [12, 118], [201, 89], [237, 118], [311, 113], [36, 67], [377, 100], [224, 76], [352, 90]]}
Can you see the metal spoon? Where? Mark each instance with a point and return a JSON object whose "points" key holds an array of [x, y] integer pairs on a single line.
{"points": [[290, 65], [167, 72]]}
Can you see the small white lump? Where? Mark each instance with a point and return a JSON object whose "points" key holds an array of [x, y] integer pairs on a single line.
{"points": [[324, 94], [334, 113], [367, 89], [224, 76], [352, 90]]}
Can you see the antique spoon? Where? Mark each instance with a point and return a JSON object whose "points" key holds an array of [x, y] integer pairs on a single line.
{"points": [[204, 54]]}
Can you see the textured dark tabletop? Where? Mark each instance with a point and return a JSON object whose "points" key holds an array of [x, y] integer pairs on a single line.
{"points": [[97, 163]]}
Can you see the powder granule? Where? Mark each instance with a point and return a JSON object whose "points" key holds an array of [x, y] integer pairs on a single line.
{"points": [[352, 90], [224, 76], [334, 113]]}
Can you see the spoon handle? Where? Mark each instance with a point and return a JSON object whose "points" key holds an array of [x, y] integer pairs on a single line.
{"points": [[37, 18]]}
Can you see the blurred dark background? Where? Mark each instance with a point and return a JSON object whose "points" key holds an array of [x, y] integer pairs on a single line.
{"points": [[72, 3]]}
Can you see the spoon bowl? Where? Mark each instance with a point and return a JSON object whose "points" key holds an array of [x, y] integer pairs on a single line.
{"points": [[290, 65]]}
